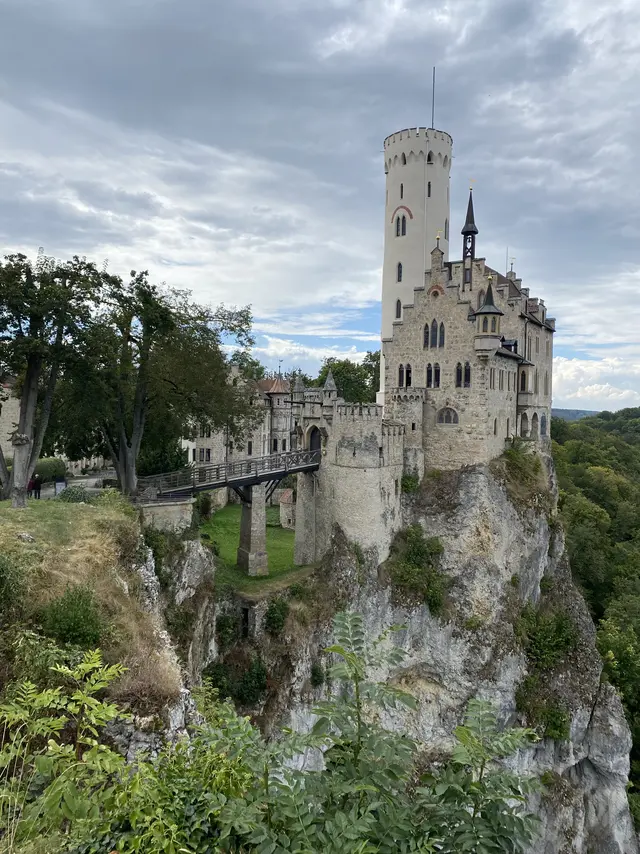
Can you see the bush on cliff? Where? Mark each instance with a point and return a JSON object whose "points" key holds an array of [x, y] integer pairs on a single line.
{"points": [[413, 569]]}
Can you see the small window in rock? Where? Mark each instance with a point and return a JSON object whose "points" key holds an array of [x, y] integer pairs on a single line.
{"points": [[413, 425]]}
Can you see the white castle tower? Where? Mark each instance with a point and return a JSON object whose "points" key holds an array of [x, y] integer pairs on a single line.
{"points": [[417, 162]]}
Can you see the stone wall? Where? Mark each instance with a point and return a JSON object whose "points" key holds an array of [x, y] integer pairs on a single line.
{"points": [[169, 515]]}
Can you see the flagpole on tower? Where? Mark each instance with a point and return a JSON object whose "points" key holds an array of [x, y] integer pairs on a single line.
{"points": [[433, 98]]}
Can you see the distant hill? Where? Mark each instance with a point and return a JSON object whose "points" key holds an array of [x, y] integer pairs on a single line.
{"points": [[572, 414]]}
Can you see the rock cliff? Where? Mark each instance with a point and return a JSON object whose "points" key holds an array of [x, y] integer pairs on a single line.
{"points": [[502, 550]]}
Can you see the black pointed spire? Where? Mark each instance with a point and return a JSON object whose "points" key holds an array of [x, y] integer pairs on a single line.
{"points": [[470, 224], [489, 306]]}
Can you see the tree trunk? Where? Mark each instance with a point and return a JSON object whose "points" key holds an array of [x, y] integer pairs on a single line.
{"points": [[22, 438], [128, 470]]}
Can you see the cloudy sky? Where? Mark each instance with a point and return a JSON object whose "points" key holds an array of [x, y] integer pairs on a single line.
{"points": [[235, 148]]}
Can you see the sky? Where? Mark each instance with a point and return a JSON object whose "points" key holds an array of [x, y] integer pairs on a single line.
{"points": [[235, 149]]}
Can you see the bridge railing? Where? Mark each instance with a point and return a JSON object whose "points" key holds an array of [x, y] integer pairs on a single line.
{"points": [[225, 474]]}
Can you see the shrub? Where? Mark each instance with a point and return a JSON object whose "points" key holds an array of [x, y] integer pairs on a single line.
{"points": [[245, 687], [515, 580], [74, 495], [203, 506], [165, 546], [74, 618], [12, 590], [413, 568], [547, 637], [125, 533], [300, 591], [546, 585], [227, 630], [545, 713], [49, 468], [410, 483], [317, 674], [276, 616], [115, 500], [522, 463], [474, 623]]}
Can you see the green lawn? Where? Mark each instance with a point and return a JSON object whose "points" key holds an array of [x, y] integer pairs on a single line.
{"points": [[224, 530]]}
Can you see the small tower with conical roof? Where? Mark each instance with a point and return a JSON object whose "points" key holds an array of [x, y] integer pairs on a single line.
{"points": [[487, 318], [469, 231]]}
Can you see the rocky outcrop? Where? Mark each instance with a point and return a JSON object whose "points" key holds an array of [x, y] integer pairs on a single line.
{"points": [[498, 550]]}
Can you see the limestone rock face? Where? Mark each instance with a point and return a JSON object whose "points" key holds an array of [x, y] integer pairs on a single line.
{"points": [[496, 554]]}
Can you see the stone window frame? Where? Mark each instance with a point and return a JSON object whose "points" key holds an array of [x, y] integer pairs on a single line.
{"points": [[447, 412], [399, 272], [398, 310]]}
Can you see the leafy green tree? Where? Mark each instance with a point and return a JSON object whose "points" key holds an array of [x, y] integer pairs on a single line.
{"points": [[44, 308], [356, 383], [152, 351]]}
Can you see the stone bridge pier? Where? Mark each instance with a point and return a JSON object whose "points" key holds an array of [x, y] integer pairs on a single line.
{"points": [[252, 551]]}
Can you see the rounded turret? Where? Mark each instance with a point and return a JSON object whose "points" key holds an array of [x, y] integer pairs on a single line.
{"points": [[417, 163]]}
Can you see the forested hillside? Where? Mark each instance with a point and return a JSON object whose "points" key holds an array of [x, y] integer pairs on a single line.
{"points": [[598, 465]]}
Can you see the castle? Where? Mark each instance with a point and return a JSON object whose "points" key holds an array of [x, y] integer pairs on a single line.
{"points": [[466, 364]]}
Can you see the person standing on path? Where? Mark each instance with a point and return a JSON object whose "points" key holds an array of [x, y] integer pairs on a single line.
{"points": [[30, 488], [37, 485]]}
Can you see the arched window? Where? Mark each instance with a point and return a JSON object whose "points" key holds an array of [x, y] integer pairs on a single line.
{"points": [[399, 272], [493, 324], [397, 226], [458, 375], [429, 376], [404, 225], [401, 376], [546, 384], [403, 159], [481, 297], [428, 189], [436, 376], [315, 439], [524, 426], [543, 425], [425, 336], [398, 309], [523, 381], [446, 229], [441, 343], [467, 375], [402, 191], [534, 426], [485, 324], [407, 376], [447, 416], [495, 426], [434, 334], [430, 157]]}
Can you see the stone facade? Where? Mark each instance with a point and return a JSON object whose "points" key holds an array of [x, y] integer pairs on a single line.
{"points": [[168, 515], [468, 366]]}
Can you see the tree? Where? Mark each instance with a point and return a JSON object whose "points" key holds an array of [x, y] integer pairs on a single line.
{"points": [[355, 382], [371, 363], [153, 351], [43, 309]]}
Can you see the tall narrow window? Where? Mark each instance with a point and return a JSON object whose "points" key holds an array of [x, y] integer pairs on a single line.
{"points": [[535, 382], [404, 225], [546, 383], [467, 375], [403, 159], [275, 445], [523, 381], [481, 297], [495, 426], [249, 448], [548, 346], [458, 375], [425, 336], [207, 455], [493, 324], [508, 425], [430, 157], [398, 309], [401, 376], [537, 343], [284, 445], [201, 455], [193, 455], [434, 334], [429, 376], [397, 226], [428, 189], [407, 376], [402, 191], [485, 324], [399, 272], [446, 229], [441, 343], [436, 376]]}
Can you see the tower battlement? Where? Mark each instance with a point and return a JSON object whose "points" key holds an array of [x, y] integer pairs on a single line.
{"points": [[359, 412]]}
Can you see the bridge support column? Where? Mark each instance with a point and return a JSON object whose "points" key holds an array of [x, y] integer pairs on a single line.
{"points": [[252, 553]]}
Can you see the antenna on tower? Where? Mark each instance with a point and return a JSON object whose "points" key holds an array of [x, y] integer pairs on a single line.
{"points": [[433, 98]]}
